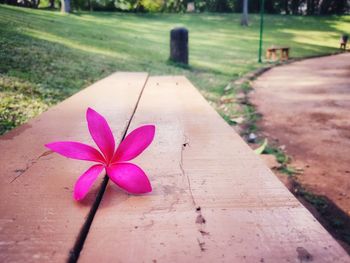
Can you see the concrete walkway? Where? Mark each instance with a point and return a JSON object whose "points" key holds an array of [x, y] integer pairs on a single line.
{"points": [[306, 107]]}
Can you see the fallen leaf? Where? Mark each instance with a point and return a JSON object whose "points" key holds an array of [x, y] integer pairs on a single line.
{"points": [[261, 148], [238, 120]]}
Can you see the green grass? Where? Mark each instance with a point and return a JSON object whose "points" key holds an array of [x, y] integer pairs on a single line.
{"points": [[46, 56]]}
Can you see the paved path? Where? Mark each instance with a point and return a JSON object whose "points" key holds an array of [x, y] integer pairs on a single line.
{"points": [[306, 106]]}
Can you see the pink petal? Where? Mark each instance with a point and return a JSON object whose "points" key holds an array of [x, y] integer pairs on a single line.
{"points": [[101, 133], [135, 143], [130, 177], [86, 180], [76, 150]]}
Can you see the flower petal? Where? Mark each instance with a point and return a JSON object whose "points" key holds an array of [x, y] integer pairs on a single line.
{"points": [[86, 180], [130, 177], [76, 150], [135, 143], [101, 133]]}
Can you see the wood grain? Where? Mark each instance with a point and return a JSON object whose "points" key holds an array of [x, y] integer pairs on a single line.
{"points": [[213, 199], [39, 220]]}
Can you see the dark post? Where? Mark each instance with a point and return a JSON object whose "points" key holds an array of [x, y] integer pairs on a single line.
{"points": [[179, 45], [262, 5]]}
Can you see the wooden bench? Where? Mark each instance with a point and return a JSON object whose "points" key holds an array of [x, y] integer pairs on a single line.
{"points": [[271, 53], [213, 199]]}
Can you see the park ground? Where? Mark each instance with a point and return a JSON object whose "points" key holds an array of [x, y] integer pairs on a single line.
{"points": [[45, 56], [305, 108]]}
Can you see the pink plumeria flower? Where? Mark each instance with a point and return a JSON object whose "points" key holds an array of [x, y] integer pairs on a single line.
{"points": [[126, 175]]}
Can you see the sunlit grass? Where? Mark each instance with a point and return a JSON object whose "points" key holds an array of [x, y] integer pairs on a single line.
{"points": [[56, 55], [307, 37], [72, 44]]}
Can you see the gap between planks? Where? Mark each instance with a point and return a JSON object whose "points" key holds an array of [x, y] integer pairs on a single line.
{"points": [[79, 243]]}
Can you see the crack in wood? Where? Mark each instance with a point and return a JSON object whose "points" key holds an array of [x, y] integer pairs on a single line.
{"points": [[200, 220], [183, 147], [29, 165], [201, 245], [204, 233]]}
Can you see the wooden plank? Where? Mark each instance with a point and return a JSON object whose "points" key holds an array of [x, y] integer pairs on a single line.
{"points": [[39, 220], [213, 200]]}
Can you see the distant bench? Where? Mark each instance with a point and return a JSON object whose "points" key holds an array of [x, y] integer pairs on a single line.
{"points": [[213, 198], [271, 53]]}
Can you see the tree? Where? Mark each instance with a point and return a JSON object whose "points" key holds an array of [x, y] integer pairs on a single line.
{"points": [[286, 6], [310, 4], [244, 20], [327, 7], [65, 6], [295, 7]]}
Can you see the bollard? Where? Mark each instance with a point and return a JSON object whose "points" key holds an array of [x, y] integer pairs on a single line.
{"points": [[179, 45]]}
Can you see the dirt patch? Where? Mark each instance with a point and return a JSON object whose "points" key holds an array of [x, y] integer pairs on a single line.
{"points": [[306, 107]]}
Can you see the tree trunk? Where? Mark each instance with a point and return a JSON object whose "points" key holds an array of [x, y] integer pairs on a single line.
{"points": [[244, 20], [286, 7], [321, 7], [310, 5], [65, 6], [295, 7], [36, 3], [341, 7], [52, 4], [90, 7], [269, 6]]}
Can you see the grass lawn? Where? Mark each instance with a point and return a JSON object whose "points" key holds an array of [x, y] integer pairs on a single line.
{"points": [[46, 56]]}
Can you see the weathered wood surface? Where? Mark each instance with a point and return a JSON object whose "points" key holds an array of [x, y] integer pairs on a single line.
{"points": [[39, 220], [213, 199]]}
